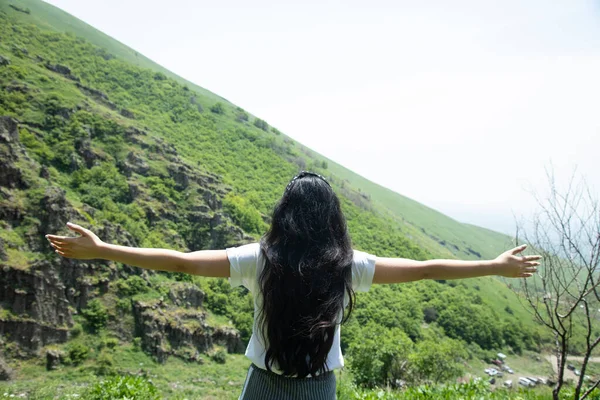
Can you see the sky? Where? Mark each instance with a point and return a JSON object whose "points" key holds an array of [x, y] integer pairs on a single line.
{"points": [[461, 105]]}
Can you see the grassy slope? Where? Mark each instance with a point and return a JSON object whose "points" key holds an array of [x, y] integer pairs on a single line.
{"points": [[438, 233], [49, 17]]}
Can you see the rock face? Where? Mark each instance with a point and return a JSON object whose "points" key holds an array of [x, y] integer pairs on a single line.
{"points": [[168, 330], [62, 70], [10, 175], [53, 359], [40, 295], [6, 373], [32, 335]]}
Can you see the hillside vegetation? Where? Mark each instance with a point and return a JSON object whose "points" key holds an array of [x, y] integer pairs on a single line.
{"points": [[93, 133]]}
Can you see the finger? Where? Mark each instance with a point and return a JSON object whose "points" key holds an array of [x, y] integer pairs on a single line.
{"points": [[525, 275], [532, 263], [530, 269], [79, 229], [53, 237], [532, 258], [60, 248], [63, 241], [60, 253], [519, 249]]}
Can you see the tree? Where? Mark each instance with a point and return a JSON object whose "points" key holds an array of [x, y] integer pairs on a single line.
{"points": [[437, 359], [565, 294], [380, 357]]}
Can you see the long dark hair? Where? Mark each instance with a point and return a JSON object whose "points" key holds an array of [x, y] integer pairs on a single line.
{"points": [[307, 274]]}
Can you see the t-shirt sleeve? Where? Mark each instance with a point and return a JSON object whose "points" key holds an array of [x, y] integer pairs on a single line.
{"points": [[363, 269], [243, 261]]}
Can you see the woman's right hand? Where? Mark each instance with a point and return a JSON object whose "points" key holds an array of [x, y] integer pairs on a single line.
{"points": [[85, 247]]}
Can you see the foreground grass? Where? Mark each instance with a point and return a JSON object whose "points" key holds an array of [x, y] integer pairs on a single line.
{"points": [[176, 379]]}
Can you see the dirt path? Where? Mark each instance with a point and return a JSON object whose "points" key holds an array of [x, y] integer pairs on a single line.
{"points": [[568, 373]]}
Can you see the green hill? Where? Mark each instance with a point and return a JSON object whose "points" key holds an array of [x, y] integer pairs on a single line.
{"points": [[92, 132]]}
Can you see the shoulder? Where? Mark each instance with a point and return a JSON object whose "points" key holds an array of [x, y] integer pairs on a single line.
{"points": [[363, 269], [243, 264]]}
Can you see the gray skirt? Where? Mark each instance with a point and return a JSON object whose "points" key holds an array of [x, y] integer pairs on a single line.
{"points": [[264, 385]]}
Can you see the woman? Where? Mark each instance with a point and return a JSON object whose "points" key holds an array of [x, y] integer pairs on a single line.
{"points": [[303, 275]]}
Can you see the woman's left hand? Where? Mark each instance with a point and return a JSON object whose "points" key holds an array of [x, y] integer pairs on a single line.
{"points": [[509, 264]]}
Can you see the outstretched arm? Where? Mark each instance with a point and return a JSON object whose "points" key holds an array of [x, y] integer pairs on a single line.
{"points": [[508, 264], [88, 246]]}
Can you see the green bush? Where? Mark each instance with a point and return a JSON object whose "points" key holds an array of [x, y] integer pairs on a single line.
{"points": [[76, 330], [244, 213], [437, 360], [105, 364], [220, 356], [380, 356], [217, 108], [96, 315], [241, 116], [132, 285], [260, 124], [123, 387], [77, 353]]}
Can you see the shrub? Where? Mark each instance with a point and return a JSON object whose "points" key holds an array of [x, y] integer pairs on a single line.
{"points": [[380, 356], [137, 343], [96, 315], [77, 353], [110, 343], [220, 356], [132, 285], [123, 387], [244, 213], [241, 117], [105, 364], [76, 330], [217, 108], [260, 124]]}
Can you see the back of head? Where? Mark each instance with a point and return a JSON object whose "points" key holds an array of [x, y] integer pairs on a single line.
{"points": [[308, 256]]}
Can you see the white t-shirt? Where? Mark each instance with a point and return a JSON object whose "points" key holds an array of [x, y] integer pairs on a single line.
{"points": [[246, 263]]}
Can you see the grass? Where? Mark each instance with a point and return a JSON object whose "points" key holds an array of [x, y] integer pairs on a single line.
{"points": [[174, 379]]}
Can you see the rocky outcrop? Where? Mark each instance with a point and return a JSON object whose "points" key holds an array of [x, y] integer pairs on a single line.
{"points": [[62, 70], [134, 163], [40, 295], [53, 359], [56, 211], [182, 332], [10, 175], [6, 372], [186, 295], [126, 113], [10, 210], [17, 87], [97, 95], [32, 335], [84, 149], [37, 293]]}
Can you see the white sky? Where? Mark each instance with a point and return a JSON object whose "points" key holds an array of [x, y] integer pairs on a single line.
{"points": [[457, 104]]}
